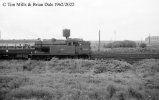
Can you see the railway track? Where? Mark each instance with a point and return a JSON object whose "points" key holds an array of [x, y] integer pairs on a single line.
{"points": [[130, 58]]}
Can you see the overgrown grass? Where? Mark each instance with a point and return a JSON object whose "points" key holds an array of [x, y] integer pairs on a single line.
{"points": [[8, 83], [70, 66], [29, 92], [78, 79]]}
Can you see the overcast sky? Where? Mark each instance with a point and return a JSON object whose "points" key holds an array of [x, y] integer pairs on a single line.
{"points": [[117, 19]]}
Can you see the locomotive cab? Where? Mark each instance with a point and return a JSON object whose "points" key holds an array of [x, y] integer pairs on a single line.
{"points": [[82, 48]]}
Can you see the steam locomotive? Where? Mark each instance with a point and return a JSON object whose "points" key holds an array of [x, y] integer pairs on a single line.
{"points": [[45, 49]]}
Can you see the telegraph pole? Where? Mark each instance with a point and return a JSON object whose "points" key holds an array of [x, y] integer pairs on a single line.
{"points": [[99, 42], [149, 39]]}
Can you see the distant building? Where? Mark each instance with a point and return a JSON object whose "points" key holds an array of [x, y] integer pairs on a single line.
{"points": [[152, 40]]}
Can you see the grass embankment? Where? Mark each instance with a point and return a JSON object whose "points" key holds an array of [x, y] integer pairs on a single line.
{"points": [[76, 79]]}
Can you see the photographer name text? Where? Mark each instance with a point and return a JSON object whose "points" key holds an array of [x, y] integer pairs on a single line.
{"points": [[35, 4]]}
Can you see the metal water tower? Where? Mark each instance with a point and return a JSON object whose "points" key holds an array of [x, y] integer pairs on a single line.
{"points": [[66, 33]]}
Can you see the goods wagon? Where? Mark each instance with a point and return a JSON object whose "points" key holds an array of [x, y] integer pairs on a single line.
{"points": [[16, 48]]}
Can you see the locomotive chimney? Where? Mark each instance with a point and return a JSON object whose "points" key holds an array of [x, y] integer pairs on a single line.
{"points": [[66, 33]]}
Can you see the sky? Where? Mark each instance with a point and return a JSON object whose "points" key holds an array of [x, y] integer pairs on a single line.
{"points": [[116, 19]]}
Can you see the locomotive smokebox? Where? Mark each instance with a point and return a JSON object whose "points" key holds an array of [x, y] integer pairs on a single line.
{"points": [[66, 33]]}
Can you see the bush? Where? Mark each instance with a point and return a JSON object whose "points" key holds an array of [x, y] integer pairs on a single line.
{"points": [[128, 43], [142, 45], [118, 44], [112, 66], [109, 45]]}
